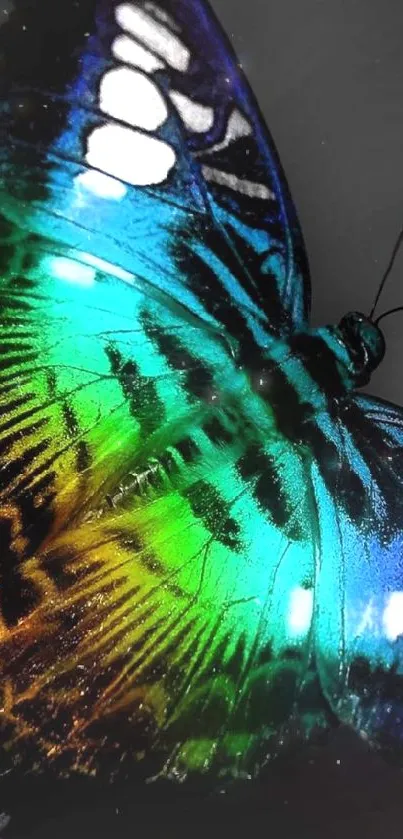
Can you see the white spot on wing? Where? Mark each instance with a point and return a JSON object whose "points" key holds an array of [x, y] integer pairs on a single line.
{"points": [[101, 185], [107, 267], [241, 185], [392, 618], [367, 622], [300, 611], [153, 35], [196, 117], [129, 155], [162, 15], [126, 50], [130, 96], [237, 127], [71, 271]]}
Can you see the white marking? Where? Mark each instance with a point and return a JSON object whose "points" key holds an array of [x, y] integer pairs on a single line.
{"points": [[102, 265], [130, 96], [71, 271], [101, 185], [392, 618], [107, 267], [196, 117], [237, 127], [153, 35], [129, 155], [300, 611], [241, 185], [126, 50], [367, 621], [162, 15]]}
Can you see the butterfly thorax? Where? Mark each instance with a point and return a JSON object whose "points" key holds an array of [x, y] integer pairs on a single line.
{"points": [[302, 377], [333, 359]]}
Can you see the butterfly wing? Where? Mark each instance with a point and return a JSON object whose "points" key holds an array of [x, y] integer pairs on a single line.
{"points": [[138, 140], [359, 612], [155, 535], [157, 543]]}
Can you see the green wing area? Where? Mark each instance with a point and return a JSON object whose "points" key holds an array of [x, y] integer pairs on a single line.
{"points": [[154, 603]]}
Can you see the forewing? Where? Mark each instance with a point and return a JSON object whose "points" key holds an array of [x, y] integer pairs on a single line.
{"points": [[130, 132], [359, 605]]}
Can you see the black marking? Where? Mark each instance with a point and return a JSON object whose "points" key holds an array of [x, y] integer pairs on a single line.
{"points": [[6, 363], [234, 665], [20, 418], [36, 513], [59, 567], [177, 356], [217, 432], [343, 483], [51, 382], [7, 228], [188, 449], [198, 379], [6, 444], [15, 346], [168, 463], [376, 448], [265, 655], [290, 413], [296, 422], [28, 480], [152, 563], [145, 556], [268, 296], [352, 494], [268, 486], [375, 684], [18, 596], [319, 361], [214, 511], [271, 496], [70, 419], [23, 399], [252, 463], [210, 290], [7, 253], [83, 456], [81, 447], [13, 468], [140, 392]]}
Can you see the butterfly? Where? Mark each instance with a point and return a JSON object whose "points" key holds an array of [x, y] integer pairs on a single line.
{"points": [[201, 543]]}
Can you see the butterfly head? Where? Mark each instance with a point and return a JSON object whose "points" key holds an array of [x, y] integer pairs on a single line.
{"points": [[364, 343]]}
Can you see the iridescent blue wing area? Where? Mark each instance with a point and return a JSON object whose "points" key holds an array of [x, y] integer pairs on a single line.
{"points": [[134, 134], [359, 595]]}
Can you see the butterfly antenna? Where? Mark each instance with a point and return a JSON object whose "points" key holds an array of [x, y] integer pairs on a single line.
{"points": [[389, 312], [382, 284]]}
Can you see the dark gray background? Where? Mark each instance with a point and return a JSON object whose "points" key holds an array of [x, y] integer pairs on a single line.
{"points": [[329, 77]]}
